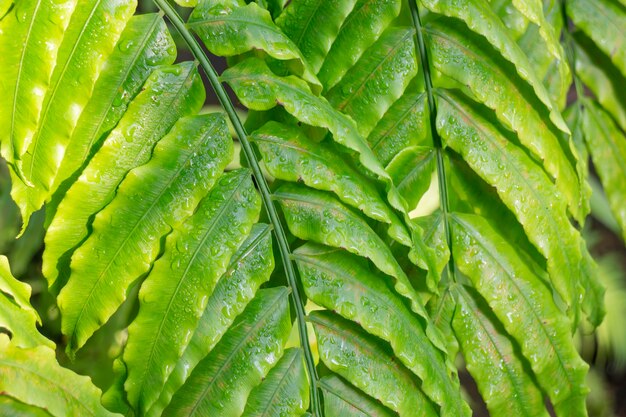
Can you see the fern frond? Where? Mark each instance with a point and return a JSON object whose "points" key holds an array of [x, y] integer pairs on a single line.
{"points": [[152, 200], [179, 93], [219, 384], [17, 316], [342, 283], [144, 45], [34, 376], [198, 252], [349, 352], [284, 392], [92, 33], [249, 267], [233, 31]]}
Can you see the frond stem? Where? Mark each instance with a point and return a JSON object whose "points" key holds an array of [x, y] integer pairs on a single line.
{"points": [[266, 195], [432, 107]]}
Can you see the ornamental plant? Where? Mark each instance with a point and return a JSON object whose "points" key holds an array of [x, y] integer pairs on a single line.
{"points": [[319, 227]]}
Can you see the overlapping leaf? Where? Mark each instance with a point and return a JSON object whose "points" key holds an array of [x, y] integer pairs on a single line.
{"points": [[34, 377], [342, 283], [250, 267], [92, 33], [171, 92], [174, 296], [152, 199], [348, 351], [221, 382]]}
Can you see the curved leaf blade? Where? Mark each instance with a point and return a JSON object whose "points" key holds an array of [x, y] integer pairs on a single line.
{"points": [[24, 86], [340, 282], [523, 187], [313, 25], [377, 80], [228, 30], [144, 45], [353, 38], [34, 377], [222, 381], [348, 351], [607, 146], [90, 37], [492, 361], [543, 333], [178, 92], [466, 59], [604, 22], [285, 390], [259, 89], [405, 124], [176, 292], [319, 217], [342, 399], [16, 313], [481, 19], [250, 267], [288, 154], [152, 199]]}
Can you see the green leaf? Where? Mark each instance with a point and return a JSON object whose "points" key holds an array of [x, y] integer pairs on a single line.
{"points": [[318, 216], [178, 287], [259, 89], [343, 400], [152, 199], [34, 377], [533, 10], [16, 313], [557, 76], [493, 361], [250, 267], [285, 390], [144, 45], [516, 22], [221, 382], [411, 171], [288, 154], [435, 237], [521, 185], [90, 37], [171, 92], [366, 22], [543, 333], [343, 283], [228, 29], [472, 63], [313, 25], [348, 351], [481, 19], [405, 124], [607, 146], [604, 22], [599, 74], [24, 85], [13, 408], [377, 80]]}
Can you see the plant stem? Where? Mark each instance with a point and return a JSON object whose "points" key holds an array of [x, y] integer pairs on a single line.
{"points": [[266, 195], [432, 108]]}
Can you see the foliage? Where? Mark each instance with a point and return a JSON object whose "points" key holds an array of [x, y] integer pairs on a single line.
{"points": [[354, 107]]}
